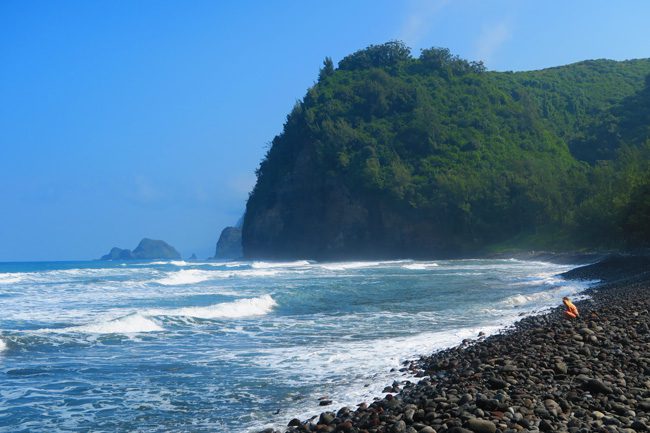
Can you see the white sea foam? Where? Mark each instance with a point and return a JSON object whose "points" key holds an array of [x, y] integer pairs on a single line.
{"points": [[388, 352], [131, 324], [420, 266], [11, 278], [541, 278], [246, 307], [145, 321], [342, 266], [185, 276], [247, 273], [362, 367], [267, 265], [321, 348], [194, 276], [64, 275], [253, 273], [504, 265], [518, 299], [169, 262], [547, 297], [222, 264]]}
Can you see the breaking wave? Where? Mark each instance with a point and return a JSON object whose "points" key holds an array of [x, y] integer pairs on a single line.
{"points": [[131, 324], [420, 266], [267, 265], [194, 276], [228, 310], [349, 265], [11, 278], [546, 297], [170, 262], [185, 276]]}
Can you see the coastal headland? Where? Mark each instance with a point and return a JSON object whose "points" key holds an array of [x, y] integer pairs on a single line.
{"points": [[547, 373]]}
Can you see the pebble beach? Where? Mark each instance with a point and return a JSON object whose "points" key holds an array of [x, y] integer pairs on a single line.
{"points": [[546, 373]]}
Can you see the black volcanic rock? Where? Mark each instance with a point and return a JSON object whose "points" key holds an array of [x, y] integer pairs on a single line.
{"points": [[229, 245], [147, 249], [555, 382], [612, 268]]}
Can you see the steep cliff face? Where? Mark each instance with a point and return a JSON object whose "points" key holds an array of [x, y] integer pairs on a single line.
{"points": [[325, 220], [229, 244], [309, 218], [392, 156]]}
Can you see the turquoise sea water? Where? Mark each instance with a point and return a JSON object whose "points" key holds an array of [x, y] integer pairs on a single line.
{"points": [[237, 346]]}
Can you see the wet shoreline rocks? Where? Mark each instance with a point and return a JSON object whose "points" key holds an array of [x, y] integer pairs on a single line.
{"points": [[547, 373]]}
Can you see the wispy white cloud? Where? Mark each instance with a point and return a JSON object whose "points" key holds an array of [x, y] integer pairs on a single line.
{"points": [[147, 191], [420, 20], [242, 184], [144, 190], [491, 39]]}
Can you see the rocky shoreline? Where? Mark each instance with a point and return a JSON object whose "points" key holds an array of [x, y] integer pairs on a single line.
{"points": [[546, 374]]}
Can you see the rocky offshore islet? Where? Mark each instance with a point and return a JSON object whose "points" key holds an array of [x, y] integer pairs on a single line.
{"points": [[547, 374]]}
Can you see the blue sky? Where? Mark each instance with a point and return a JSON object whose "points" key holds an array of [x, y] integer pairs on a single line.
{"points": [[126, 119]]}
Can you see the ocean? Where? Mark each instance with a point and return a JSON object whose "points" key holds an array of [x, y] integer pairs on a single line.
{"points": [[237, 346]]}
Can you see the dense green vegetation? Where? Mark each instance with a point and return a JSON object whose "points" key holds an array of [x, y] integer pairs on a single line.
{"points": [[391, 155]]}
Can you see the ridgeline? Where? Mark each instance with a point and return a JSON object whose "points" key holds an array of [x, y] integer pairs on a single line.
{"points": [[390, 155]]}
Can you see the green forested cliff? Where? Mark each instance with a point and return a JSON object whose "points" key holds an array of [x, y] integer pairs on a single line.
{"points": [[389, 155]]}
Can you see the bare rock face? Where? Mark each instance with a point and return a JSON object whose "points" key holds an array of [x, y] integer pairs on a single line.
{"points": [[309, 216], [229, 245]]}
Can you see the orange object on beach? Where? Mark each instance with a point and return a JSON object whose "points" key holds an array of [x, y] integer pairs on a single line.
{"points": [[571, 310]]}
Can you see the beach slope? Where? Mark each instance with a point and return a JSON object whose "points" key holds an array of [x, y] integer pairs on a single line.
{"points": [[547, 374]]}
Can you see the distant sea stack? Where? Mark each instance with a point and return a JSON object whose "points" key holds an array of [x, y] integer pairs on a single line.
{"points": [[118, 254], [147, 249], [390, 156], [229, 245]]}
